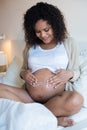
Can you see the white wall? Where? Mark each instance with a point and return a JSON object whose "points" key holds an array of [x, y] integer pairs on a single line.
{"points": [[12, 11]]}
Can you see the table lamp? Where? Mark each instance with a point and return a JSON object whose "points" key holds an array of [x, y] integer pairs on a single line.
{"points": [[3, 62]]}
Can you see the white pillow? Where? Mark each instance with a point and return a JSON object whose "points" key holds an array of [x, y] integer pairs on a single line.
{"points": [[83, 52], [12, 77]]}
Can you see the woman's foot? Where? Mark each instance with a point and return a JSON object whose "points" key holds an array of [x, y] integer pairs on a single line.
{"points": [[64, 121]]}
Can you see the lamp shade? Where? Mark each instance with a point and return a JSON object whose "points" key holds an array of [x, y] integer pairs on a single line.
{"points": [[3, 61]]}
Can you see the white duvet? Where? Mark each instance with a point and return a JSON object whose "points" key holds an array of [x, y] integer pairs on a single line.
{"points": [[20, 116], [33, 116]]}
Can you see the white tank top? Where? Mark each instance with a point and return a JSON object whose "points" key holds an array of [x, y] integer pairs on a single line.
{"points": [[53, 59]]}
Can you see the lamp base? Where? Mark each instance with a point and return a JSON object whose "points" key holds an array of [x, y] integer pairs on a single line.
{"points": [[3, 68]]}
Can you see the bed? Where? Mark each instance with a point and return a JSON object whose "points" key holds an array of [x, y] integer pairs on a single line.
{"points": [[20, 116]]}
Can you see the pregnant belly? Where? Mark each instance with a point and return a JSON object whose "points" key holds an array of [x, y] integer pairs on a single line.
{"points": [[43, 91]]}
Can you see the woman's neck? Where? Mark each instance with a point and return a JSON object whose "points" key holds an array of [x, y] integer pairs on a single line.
{"points": [[49, 45]]}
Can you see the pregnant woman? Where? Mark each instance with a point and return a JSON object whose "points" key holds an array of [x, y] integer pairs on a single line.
{"points": [[50, 64], [50, 61]]}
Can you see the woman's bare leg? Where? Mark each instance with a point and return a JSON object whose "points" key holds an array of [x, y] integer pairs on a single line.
{"points": [[14, 93], [65, 105]]}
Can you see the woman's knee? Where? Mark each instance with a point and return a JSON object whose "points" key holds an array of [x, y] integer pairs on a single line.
{"points": [[74, 103], [3, 92], [2, 86], [77, 100]]}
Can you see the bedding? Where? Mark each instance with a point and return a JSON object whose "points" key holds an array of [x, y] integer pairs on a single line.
{"points": [[12, 74], [19, 116], [34, 116], [81, 121]]}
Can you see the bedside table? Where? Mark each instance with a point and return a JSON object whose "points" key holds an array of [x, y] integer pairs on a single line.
{"points": [[2, 74]]}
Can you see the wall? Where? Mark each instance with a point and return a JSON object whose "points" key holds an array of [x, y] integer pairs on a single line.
{"points": [[12, 12]]}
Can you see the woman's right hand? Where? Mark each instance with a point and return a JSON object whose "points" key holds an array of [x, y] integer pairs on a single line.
{"points": [[28, 77]]}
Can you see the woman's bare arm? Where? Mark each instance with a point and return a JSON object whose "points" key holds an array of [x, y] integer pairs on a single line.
{"points": [[28, 77]]}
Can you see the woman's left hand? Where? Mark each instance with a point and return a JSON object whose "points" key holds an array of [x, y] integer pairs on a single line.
{"points": [[61, 77]]}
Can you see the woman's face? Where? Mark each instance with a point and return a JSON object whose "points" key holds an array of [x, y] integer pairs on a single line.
{"points": [[44, 31]]}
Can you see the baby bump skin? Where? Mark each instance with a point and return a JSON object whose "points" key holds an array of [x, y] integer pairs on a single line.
{"points": [[42, 92]]}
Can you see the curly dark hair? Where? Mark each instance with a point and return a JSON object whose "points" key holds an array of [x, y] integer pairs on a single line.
{"points": [[46, 12]]}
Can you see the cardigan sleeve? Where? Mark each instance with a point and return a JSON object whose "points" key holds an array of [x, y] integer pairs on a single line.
{"points": [[73, 54]]}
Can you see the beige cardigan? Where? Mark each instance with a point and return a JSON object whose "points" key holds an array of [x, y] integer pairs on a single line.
{"points": [[73, 55]]}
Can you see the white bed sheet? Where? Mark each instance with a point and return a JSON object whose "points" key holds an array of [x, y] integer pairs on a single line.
{"points": [[34, 116], [20, 116]]}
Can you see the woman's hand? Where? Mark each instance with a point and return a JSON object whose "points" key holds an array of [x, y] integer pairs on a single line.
{"points": [[61, 77], [29, 78]]}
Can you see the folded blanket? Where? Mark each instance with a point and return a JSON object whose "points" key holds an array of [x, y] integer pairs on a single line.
{"points": [[20, 116]]}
